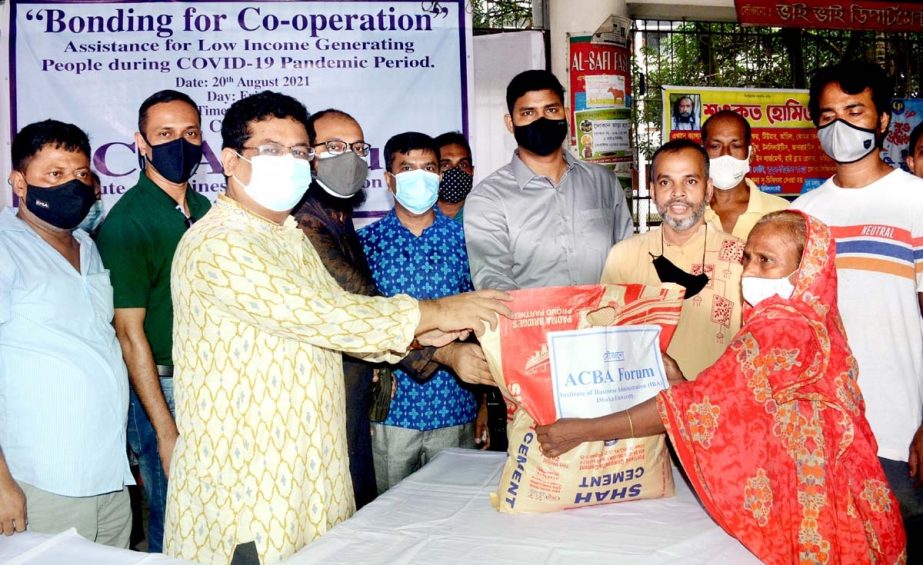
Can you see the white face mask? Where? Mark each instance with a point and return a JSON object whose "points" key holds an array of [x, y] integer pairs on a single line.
{"points": [[758, 289], [726, 172], [844, 142], [93, 218], [277, 183]]}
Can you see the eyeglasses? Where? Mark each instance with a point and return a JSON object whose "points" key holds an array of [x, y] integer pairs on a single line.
{"points": [[302, 152], [338, 147]]}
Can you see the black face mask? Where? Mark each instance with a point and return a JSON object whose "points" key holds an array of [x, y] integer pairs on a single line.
{"points": [[542, 137], [455, 185], [176, 160], [63, 206], [670, 273]]}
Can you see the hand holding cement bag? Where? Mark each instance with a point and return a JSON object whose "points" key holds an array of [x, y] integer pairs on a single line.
{"points": [[582, 351]]}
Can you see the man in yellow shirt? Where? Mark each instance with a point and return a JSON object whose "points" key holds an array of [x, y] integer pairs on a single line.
{"points": [[686, 251], [260, 468], [737, 203]]}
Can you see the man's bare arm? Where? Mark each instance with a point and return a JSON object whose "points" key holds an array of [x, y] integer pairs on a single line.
{"points": [[12, 502]]}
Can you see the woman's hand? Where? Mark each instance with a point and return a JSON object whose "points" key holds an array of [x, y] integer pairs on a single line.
{"points": [[562, 436], [674, 374]]}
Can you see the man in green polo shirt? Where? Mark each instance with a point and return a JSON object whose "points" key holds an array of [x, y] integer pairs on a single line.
{"points": [[137, 242]]}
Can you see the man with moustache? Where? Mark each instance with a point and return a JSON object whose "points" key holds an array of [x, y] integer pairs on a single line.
{"points": [[687, 251], [137, 242]]}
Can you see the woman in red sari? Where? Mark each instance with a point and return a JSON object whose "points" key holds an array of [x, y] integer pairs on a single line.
{"points": [[773, 436]]}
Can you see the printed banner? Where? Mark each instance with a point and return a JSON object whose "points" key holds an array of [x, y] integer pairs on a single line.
{"points": [[600, 98], [599, 371], [787, 157], [394, 65], [824, 14], [906, 113]]}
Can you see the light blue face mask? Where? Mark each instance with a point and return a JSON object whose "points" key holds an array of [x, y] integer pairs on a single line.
{"points": [[93, 218], [417, 190]]}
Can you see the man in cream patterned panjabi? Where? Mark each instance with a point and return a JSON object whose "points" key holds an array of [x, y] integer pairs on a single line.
{"points": [[260, 468]]}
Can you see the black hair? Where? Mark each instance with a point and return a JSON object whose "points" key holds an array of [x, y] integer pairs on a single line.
{"points": [[678, 145], [162, 97], [35, 137], [312, 132], [453, 138], [915, 136], [853, 78], [531, 81], [407, 142], [235, 127], [731, 114]]}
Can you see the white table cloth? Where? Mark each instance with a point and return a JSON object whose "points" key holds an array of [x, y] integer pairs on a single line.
{"points": [[442, 515], [69, 548]]}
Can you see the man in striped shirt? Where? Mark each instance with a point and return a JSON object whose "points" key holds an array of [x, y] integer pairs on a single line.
{"points": [[875, 213]]}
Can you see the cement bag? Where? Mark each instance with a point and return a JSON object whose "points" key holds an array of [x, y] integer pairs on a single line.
{"points": [[582, 351]]}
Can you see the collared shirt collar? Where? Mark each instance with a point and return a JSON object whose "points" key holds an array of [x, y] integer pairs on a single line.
{"points": [[9, 221], [393, 222], [523, 174], [252, 219], [156, 193], [696, 239], [160, 196]]}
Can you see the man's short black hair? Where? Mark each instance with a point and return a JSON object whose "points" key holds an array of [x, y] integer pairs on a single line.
{"points": [[407, 142], [34, 137], [235, 127], [915, 136], [531, 81], [853, 78], [453, 138], [312, 132], [163, 97], [678, 145], [730, 114]]}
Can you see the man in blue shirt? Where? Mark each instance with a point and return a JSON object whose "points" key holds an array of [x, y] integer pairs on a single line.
{"points": [[419, 251], [63, 385]]}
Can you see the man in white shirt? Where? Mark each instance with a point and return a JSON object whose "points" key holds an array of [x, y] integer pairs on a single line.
{"points": [[63, 385], [875, 213]]}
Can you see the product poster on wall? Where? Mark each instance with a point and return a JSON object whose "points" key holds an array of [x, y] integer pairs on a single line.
{"points": [[600, 98]]}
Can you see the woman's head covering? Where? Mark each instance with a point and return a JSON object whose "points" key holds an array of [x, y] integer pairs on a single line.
{"points": [[773, 436]]}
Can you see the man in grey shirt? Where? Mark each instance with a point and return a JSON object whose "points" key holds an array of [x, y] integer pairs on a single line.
{"points": [[545, 219]]}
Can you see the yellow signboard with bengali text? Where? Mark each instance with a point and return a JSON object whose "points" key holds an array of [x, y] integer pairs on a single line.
{"points": [[787, 157]]}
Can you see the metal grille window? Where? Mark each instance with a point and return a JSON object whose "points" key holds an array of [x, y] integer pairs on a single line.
{"points": [[726, 54], [506, 15]]}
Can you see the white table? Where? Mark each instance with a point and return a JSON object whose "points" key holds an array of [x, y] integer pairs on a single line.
{"points": [[442, 515], [68, 548]]}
